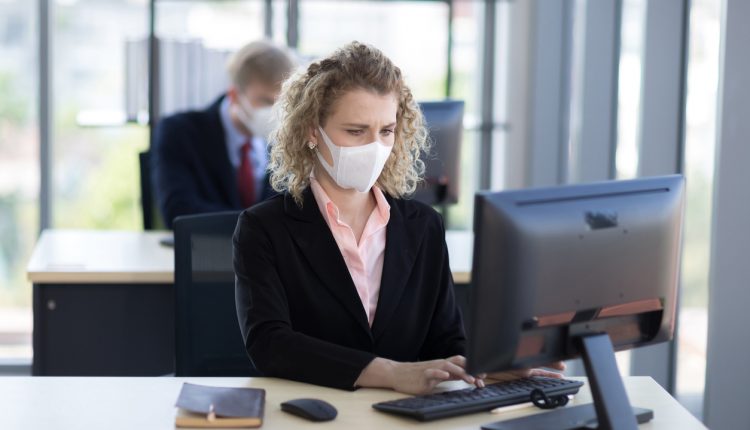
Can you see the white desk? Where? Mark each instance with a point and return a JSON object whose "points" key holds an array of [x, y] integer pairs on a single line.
{"points": [[96, 256], [148, 403], [99, 256], [460, 251]]}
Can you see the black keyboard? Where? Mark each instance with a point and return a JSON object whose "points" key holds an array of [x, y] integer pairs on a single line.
{"points": [[470, 400]]}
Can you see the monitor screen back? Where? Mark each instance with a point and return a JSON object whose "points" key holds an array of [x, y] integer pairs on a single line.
{"points": [[444, 121], [551, 264]]}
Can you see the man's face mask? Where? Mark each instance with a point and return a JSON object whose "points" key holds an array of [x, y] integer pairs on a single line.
{"points": [[258, 120]]}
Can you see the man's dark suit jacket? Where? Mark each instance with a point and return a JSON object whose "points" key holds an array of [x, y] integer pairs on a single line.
{"points": [[299, 311], [190, 167]]}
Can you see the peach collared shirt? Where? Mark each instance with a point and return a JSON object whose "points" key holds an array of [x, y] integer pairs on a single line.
{"points": [[364, 259]]}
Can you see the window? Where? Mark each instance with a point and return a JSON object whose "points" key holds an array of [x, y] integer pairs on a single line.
{"points": [[629, 91], [466, 85], [19, 173], [227, 24], [96, 169], [399, 29], [196, 41], [95, 166], [279, 21], [700, 148]]}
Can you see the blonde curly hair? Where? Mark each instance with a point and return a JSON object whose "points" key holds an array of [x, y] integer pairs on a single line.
{"points": [[305, 103]]}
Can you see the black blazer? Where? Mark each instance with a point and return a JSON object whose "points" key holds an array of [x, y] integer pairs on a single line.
{"points": [[299, 311], [190, 168]]}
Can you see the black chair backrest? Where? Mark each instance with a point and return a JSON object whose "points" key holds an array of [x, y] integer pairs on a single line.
{"points": [[150, 211], [208, 341]]}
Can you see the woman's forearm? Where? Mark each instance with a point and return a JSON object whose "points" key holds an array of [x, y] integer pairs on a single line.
{"points": [[377, 374]]}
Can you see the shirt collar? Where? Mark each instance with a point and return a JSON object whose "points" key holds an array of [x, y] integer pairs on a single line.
{"points": [[383, 207], [234, 137], [331, 212]]}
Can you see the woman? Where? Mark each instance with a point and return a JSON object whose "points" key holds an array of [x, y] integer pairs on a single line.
{"points": [[340, 281]]}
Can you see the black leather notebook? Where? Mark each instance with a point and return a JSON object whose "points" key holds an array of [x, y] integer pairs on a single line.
{"points": [[203, 406]]}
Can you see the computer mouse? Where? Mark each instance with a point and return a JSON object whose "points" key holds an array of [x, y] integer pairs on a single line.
{"points": [[310, 409]]}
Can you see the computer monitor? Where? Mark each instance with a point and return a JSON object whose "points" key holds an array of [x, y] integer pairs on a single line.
{"points": [[445, 126], [576, 271]]}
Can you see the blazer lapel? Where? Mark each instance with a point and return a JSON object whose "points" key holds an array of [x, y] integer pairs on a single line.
{"points": [[314, 238], [403, 238]]}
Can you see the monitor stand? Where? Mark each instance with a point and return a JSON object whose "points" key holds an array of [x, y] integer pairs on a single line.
{"points": [[611, 409]]}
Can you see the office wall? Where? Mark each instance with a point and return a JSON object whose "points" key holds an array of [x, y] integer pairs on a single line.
{"points": [[727, 376]]}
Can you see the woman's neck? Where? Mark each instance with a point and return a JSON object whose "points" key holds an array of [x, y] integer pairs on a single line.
{"points": [[354, 207]]}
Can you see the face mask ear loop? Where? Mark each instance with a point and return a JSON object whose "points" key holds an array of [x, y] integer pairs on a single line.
{"points": [[245, 105], [331, 149], [332, 170], [242, 111]]}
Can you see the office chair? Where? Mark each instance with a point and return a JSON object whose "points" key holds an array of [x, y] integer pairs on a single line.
{"points": [[208, 341], [150, 211]]}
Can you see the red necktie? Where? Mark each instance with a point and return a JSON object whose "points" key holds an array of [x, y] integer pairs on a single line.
{"points": [[245, 177]]}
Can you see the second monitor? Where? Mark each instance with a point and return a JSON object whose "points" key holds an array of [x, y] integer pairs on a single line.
{"points": [[444, 121]]}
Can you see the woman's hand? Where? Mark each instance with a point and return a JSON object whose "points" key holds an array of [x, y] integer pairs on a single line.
{"points": [[421, 377], [414, 378]]}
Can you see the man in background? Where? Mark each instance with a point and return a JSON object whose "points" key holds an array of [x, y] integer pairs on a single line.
{"points": [[215, 159]]}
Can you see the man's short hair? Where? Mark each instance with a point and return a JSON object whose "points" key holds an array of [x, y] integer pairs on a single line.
{"points": [[259, 61]]}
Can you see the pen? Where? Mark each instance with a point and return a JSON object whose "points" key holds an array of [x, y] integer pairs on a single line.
{"points": [[211, 414]]}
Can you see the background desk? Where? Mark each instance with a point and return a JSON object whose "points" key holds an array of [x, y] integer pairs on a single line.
{"points": [[104, 302], [148, 403]]}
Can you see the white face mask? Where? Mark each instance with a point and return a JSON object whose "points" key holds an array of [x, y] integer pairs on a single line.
{"points": [[259, 121], [355, 167]]}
